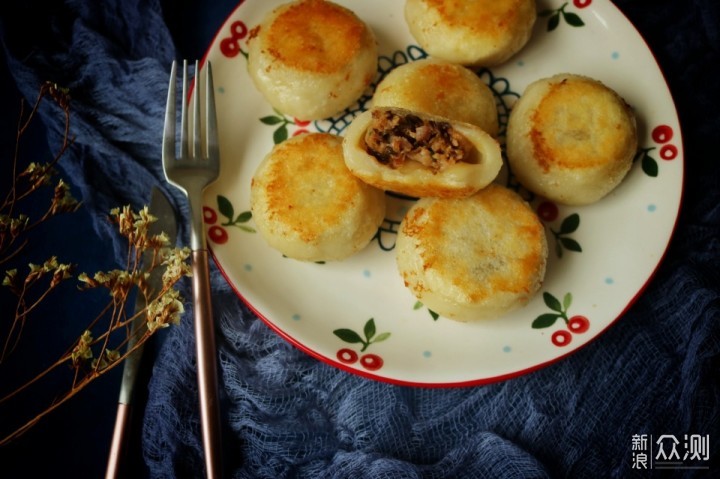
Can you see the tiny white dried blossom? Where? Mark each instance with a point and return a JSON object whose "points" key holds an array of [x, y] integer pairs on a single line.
{"points": [[165, 310], [83, 351], [10, 278], [63, 200], [176, 264]]}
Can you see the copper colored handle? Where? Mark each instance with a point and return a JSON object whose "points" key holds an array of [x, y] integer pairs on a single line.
{"points": [[206, 364], [118, 442]]}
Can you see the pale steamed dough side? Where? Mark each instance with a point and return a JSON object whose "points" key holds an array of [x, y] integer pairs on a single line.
{"points": [[307, 205], [472, 258], [312, 59], [571, 139], [440, 88], [477, 33]]}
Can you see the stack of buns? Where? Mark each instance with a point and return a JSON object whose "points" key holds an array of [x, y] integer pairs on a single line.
{"points": [[468, 248]]}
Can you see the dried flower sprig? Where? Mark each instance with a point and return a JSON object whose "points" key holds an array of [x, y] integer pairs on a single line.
{"points": [[97, 350], [14, 225], [46, 277]]}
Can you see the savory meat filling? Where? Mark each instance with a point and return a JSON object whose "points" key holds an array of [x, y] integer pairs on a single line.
{"points": [[395, 139]]}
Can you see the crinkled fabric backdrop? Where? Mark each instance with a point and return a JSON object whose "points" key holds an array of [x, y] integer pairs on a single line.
{"points": [[288, 415]]}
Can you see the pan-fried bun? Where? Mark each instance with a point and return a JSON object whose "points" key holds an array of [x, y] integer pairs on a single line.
{"points": [[419, 155], [307, 205], [477, 33], [312, 58], [571, 139], [440, 88], [472, 258]]}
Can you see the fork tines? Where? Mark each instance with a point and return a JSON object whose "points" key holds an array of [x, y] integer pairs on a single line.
{"points": [[190, 147]]}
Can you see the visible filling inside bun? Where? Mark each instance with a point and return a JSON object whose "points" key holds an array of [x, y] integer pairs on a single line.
{"points": [[394, 139]]}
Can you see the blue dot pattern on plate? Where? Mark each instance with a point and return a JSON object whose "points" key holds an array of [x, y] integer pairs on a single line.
{"points": [[507, 349], [609, 280], [296, 317], [366, 273], [615, 55], [427, 354], [248, 267], [651, 208]]}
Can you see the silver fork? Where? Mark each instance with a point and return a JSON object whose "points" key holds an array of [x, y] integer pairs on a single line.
{"points": [[192, 171]]}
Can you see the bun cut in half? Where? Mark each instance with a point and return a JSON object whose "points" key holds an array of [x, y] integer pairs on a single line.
{"points": [[441, 88], [571, 139], [472, 33], [312, 58], [307, 205], [472, 258], [420, 155]]}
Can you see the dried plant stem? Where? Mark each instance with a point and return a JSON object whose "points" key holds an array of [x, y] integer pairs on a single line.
{"points": [[77, 386], [89, 357], [13, 228]]}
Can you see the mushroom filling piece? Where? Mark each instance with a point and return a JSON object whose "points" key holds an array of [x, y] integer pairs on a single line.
{"points": [[395, 139]]}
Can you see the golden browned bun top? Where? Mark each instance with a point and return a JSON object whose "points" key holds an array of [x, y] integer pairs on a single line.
{"points": [[440, 88], [316, 35], [506, 255], [580, 123], [308, 179], [488, 16]]}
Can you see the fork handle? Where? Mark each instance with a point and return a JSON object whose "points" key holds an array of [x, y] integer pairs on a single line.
{"points": [[206, 364]]}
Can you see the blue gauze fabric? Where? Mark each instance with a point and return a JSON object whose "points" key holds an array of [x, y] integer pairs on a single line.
{"points": [[288, 415]]}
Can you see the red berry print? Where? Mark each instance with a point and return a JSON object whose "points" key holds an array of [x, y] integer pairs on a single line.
{"points": [[218, 234], [230, 45], [299, 131], [578, 324], [561, 338], [559, 306], [368, 337], [582, 3], [662, 134], [547, 211], [302, 123], [347, 356], [209, 215], [371, 362], [668, 152]]}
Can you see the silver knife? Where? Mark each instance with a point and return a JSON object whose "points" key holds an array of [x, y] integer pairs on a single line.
{"points": [[161, 208]]}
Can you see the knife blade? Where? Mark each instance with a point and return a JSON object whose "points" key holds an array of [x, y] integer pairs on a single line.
{"points": [[161, 208]]}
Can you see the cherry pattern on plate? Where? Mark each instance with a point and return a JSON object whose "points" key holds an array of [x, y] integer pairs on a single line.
{"points": [[548, 212], [231, 45], [433, 314], [571, 18], [284, 125], [369, 361], [217, 233], [662, 136], [576, 324], [562, 241]]}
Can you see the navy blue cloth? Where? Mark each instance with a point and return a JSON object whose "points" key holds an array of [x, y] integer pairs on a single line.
{"points": [[287, 415]]}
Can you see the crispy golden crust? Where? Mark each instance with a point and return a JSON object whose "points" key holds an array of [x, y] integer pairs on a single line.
{"points": [[312, 59], [306, 203], [472, 258], [571, 139], [440, 88], [479, 33], [315, 36]]}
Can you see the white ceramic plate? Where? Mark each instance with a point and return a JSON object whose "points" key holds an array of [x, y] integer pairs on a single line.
{"points": [[356, 314]]}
